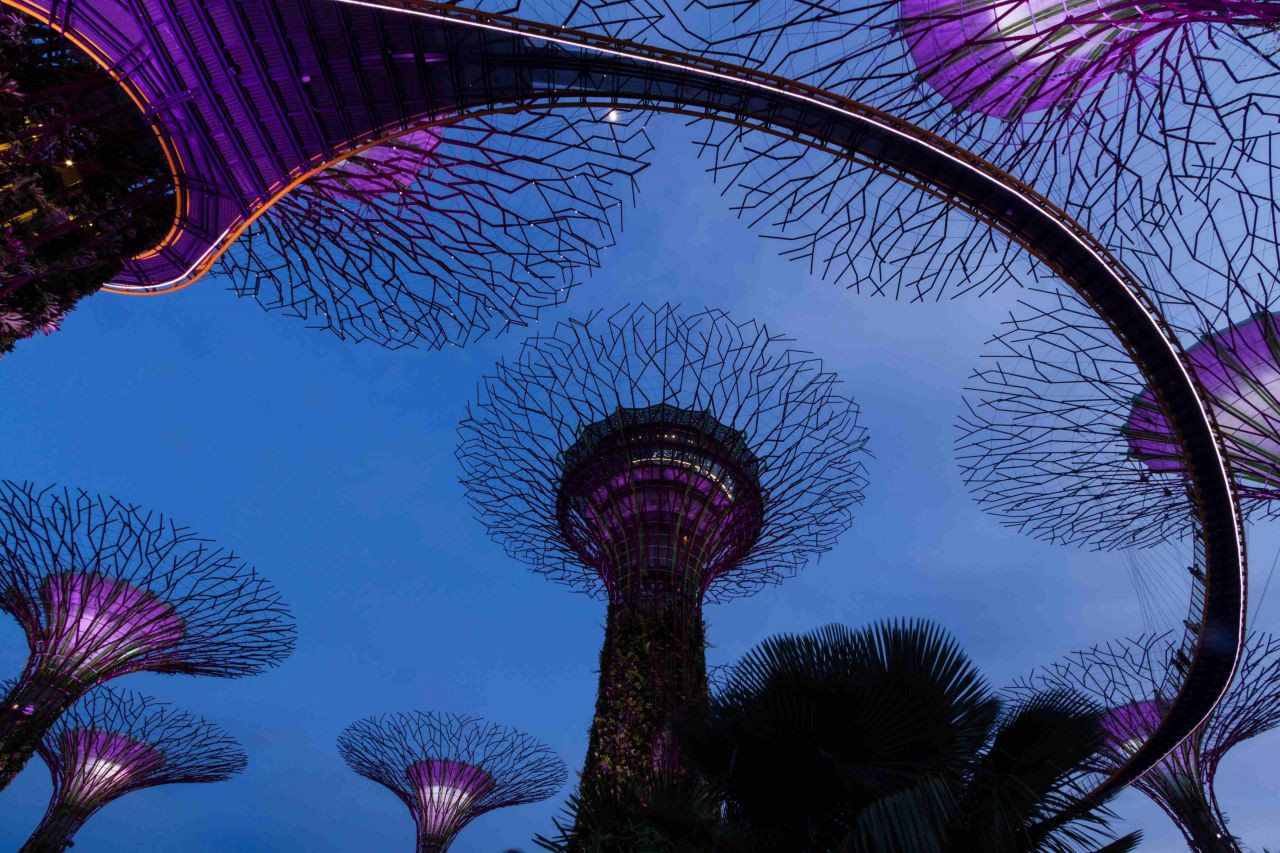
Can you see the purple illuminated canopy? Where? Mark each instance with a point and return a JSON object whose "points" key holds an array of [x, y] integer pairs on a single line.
{"points": [[449, 769], [1011, 57], [98, 765], [94, 624], [447, 793], [113, 742], [660, 496], [1240, 369]]}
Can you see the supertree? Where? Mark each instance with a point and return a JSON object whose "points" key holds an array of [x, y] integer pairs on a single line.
{"points": [[1152, 123], [1064, 438], [103, 589], [450, 768], [659, 460], [1137, 680], [113, 742]]}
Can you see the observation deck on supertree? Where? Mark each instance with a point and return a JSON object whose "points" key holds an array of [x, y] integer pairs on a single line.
{"points": [[243, 121], [449, 768], [103, 589], [657, 459], [1136, 680], [113, 742]]}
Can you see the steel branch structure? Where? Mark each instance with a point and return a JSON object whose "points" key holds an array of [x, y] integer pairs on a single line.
{"points": [[1154, 123], [1135, 680], [113, 742], [102, 589], [445, 234], [1062, 436], [659, 459], [354, 73], [450, 768]]}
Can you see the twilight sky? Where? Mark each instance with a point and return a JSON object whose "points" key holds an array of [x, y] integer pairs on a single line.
{"points": [[330, 467]]}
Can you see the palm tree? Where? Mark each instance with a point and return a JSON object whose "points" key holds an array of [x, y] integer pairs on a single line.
{"points": [[888, 738]]}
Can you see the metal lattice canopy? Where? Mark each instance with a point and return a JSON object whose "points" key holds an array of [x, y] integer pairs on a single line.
{"points": [[448, 232], [450, 768], [151, 742], [803, 435], [113, 742], [103, 588], [1153, 124], [1063, 438], [1135, 680]]}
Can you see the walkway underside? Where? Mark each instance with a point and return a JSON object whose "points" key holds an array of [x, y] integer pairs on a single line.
{"points": [[281, 88]]}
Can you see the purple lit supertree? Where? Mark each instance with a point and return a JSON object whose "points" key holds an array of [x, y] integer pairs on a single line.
{"points": [[103, 589], [450, 768], [1143, 120], [113, 742], [1137, 680], [447, 232], [658, 460], [1063, 437]]}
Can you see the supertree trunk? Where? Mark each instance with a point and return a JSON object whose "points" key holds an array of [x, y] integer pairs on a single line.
{"points": [[652, 671], [60, 825], [30, 707], [1203, 826]]}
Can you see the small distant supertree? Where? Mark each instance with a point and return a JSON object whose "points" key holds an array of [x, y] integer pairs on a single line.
{"points": [[1137, 680], [113, 742], [446, 233], [103, 589], [1063, 437], [659, 460], [450, 768]]}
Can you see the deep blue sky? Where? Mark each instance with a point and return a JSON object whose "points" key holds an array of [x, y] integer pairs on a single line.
{"points": [[331, 467]]}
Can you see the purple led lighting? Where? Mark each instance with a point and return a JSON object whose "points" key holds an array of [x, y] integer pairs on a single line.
{"points": [[1240, 370], [384, 169], [660, 497], [1129, 726], [447, 793], [99, 764], [94, 624], [1009, 58]]}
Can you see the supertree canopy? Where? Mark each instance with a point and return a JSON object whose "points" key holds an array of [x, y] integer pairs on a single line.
{"points": [[446, 232], [83, 181], [1136, 680], [658, 459], [449, 768], [1064, 438], [1153, 124], [113, 742], [1240, 369], [103, 589]]}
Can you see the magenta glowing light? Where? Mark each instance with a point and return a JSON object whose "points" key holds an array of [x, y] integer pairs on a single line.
{"points": [[660, 496], [447, 793], [1129, 726], [98, 765], [384, 169], [1240, 371], [95, 624], [1012, 57], [450, 768]]}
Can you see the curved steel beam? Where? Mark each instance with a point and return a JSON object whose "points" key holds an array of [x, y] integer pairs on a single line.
{"points": [[256, 95]]}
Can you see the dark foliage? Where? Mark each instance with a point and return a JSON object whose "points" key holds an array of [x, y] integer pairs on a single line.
{"points": [[83, 181], [882, 739]]}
